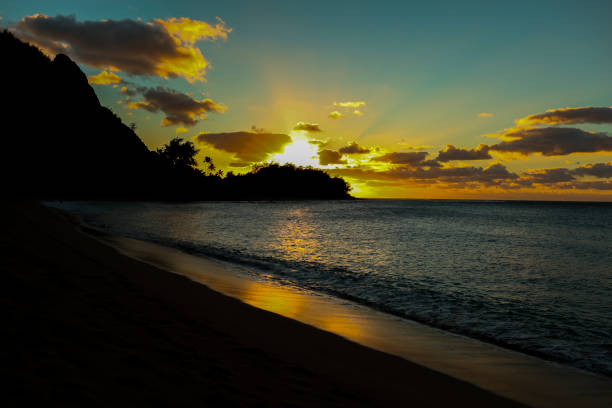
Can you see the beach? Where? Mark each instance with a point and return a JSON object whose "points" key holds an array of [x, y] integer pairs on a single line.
{"points": [[86, 325]]}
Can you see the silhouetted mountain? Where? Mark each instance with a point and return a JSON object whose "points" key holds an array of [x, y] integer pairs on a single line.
{"points": [[59, 142]]}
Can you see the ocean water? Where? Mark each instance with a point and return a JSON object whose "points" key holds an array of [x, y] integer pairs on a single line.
{"points": [[533, 277]]}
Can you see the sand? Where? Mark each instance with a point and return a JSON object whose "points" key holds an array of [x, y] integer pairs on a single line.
{"points": [[87, 326]]}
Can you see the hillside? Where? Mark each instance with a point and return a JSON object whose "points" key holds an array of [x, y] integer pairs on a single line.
{"points": [[61, 143]]}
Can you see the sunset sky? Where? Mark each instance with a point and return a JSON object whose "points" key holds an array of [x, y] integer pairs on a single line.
{"points": [[435, 99]]}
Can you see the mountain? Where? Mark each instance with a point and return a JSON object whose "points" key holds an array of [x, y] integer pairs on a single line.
{"points": [[58, 139], [59, 142]]}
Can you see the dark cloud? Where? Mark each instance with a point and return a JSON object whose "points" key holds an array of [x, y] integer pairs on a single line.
{"points": [[178, 107], [318, 143], [491, 175], [158, 47], [590, 185], [411, 158], [547, 176], [554, 141], [452, 153], [308, 127], [495, 175], [354, 148], [566, 116], [601, 170], [330, 157], [247, 146]]}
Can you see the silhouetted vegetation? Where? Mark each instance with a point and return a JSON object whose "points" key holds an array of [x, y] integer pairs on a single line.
{"points": [[59, 142]]}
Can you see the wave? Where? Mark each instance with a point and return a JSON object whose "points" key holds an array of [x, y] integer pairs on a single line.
{"points": [[435, 308]]}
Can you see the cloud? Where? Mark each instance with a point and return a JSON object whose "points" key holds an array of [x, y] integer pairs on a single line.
{"points": [[452, 153], [357, 112], [165, 48], [485, 115], [547, 176], [601, 170], [105, 78], [410, 158], [330, 157], [307, 127], [179, 108], [353, 148], [350, 104], [494, 175], [247, 146], [335, 115], [127, 91], [564, 116], [590, 185], [318, 143], [553, 141]]}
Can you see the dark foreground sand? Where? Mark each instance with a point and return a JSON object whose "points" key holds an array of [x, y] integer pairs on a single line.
{"points": [[86, 326]]}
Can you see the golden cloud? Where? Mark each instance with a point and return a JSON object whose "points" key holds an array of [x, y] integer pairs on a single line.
{"points": [[165, 48], [105, 78], [350, 104], [335, 115]]}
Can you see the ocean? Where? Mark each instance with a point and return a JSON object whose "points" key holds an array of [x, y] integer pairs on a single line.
{"points": [[529, 276]]}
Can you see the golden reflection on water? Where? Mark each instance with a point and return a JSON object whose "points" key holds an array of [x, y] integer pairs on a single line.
{"points": [[293, 304], [504, 372], [297, 236]]}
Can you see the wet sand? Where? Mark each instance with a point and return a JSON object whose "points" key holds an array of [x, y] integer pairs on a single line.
{"points": [[87, 326]]}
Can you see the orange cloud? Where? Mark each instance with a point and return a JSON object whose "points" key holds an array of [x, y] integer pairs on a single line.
{"points": [[105, 78], [165, 48], [485, 115]]}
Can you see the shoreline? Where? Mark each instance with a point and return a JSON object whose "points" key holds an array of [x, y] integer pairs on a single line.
{"points": [[518, 376], [87, 325]]}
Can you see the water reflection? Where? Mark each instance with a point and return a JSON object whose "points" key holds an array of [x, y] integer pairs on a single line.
{"points": [[525, 379], [295, 236]]}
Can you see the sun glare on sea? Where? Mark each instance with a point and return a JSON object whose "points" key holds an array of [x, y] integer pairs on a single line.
{"points": [[298, 152]]}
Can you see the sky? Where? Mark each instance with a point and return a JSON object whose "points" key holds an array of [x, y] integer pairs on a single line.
{"points": [[439, 99]]}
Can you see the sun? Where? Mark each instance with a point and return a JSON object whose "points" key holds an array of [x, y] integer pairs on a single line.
{"points": [[298, 152]]}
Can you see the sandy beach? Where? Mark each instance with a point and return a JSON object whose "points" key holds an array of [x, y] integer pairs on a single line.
{"points": [[85, 325]]}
